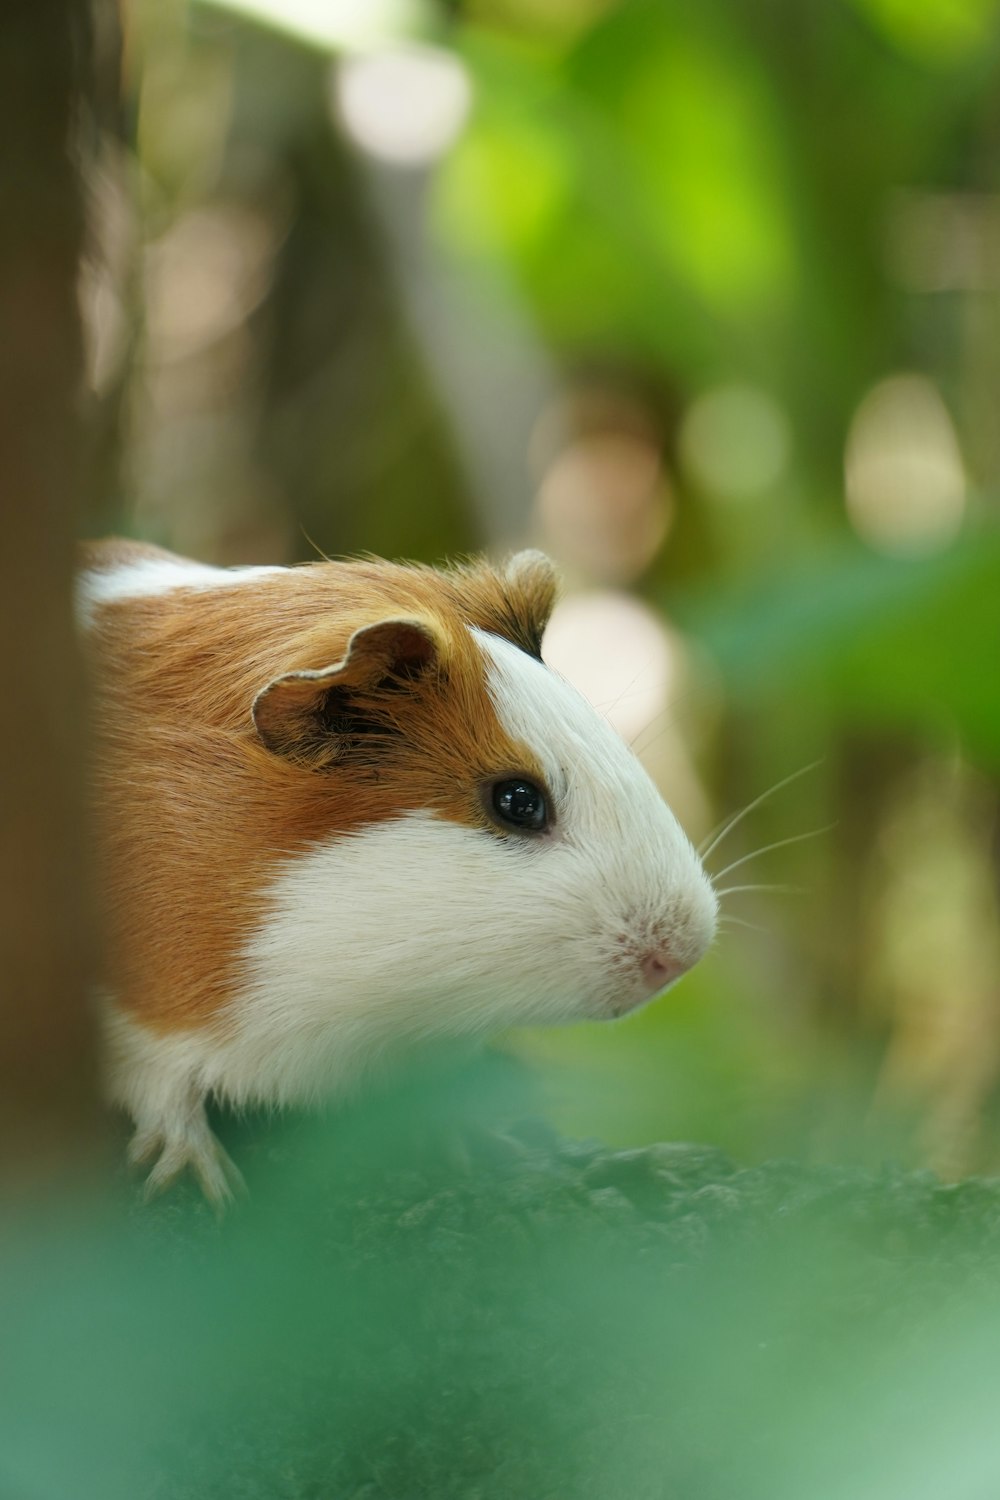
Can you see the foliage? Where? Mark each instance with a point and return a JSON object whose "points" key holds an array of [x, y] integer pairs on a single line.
{"points": [[407, 1309]]}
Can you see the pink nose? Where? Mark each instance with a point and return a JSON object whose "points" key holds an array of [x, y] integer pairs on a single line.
{"points": [[660, 968]]}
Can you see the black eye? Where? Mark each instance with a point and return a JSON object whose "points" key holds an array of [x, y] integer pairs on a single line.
{"points": [[520, 804]]}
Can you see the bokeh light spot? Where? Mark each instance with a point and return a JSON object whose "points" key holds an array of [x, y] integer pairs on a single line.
{"points": [[905, 480], [205, 275], [404, 105], [335, 24], [605, 506], [616, 651], [736, 441], [938, 32]]}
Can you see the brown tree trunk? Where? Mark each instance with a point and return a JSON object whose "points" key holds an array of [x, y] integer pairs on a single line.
{"points": [[48, 1109]]}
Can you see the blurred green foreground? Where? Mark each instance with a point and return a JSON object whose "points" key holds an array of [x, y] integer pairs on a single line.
{"points": [[437, 1297]]}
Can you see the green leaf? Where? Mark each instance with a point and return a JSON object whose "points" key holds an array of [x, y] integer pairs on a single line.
{"points": [[895, 642]]}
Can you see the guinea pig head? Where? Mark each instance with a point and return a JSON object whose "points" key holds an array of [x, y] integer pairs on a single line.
{"points": [[489, 853]]}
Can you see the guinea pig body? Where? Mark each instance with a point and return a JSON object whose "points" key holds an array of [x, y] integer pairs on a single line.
{"points": [[343, 809]]}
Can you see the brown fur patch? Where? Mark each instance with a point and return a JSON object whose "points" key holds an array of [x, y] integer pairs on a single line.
{"points": [[194, 812], [514, 601]]}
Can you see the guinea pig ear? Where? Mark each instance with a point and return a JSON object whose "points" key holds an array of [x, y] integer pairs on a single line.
{"points": [[513, 600], [531, 587], [307, 715]]}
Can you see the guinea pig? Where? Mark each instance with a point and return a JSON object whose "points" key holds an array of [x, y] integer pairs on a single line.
{"points": [[344, 808]]}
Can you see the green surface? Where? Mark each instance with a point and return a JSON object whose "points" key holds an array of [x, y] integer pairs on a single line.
{"points": [[436, 1296]]}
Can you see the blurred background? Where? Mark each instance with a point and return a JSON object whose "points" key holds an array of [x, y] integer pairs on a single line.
{"points": [[704, 301]]}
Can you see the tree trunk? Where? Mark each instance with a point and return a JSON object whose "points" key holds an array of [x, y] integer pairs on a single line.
{"points": [[48, 1100]]}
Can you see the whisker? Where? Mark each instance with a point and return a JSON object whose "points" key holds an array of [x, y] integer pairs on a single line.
{"points": [[785, 890], [728, 827], [609, 708], [796, 838], [626, 697], [728, 920], [719, 828], [679, 702], [668, 724], [314, 545]]}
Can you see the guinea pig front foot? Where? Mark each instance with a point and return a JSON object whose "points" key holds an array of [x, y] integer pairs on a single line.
{"points": [[182, 1142]]}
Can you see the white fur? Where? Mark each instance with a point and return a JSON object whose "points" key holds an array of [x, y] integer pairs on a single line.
{"points": [[153, 575], [419, 927], [163, 1082]]}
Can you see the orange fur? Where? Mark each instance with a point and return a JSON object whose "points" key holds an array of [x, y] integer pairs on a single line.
{"points": [[195, 813]]}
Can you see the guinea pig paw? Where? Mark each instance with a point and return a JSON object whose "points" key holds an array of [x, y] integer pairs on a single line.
{"points": [[175, 1148]]}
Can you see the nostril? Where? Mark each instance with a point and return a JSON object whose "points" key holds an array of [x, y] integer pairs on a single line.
{"points": [[660, 968]]}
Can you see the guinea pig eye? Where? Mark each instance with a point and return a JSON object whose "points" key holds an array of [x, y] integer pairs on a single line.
{"points": [[520, 804]]}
